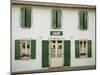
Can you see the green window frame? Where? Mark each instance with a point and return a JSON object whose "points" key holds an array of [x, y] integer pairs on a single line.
{"points": [[56, 19], [83, 20], [88, 51], [26, 17]]}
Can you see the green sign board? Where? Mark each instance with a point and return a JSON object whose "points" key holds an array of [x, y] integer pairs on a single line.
{"points": [[56, 33]]}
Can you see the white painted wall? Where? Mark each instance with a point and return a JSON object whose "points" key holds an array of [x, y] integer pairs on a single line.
{"points": [[40, 30]]}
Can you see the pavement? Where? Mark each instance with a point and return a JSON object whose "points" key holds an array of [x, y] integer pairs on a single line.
{"points": [[57, 69]]}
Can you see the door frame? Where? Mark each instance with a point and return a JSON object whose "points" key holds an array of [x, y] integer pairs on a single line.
{"points": [[56, 38]]}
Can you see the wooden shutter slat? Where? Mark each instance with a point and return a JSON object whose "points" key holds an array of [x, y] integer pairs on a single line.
{"points": [[77, 52], [66, 52], [17, 49], [33, 49], [45, 53], [89, 48]]}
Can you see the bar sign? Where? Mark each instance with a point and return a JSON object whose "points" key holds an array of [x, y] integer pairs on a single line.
{"points": [[56, 33]]}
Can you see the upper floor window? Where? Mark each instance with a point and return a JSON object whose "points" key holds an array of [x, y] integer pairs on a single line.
{"points": [[83, 19], [26, 17], [56, 19]]}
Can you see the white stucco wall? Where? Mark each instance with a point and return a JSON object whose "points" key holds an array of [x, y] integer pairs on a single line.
{"points": [[40, 30]]}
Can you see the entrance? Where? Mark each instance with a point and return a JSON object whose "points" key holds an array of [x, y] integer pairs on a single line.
{"points": [[56, 53]]}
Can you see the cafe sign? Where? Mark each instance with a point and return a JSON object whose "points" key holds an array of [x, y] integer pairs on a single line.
{"points": [[56, 33]]}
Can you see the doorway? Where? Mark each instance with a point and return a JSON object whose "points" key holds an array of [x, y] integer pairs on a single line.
{"points": [[56, 49]]}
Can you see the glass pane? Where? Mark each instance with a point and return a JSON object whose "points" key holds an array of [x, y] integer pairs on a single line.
{"points": [[28, 44], [53, 46], [52, 55], [53, 51], [59, 41], [23, 45], [25, 52], [82, 54], [59, 51], [84, 44], [80, 42], [53, 41], [59, 46], [59, 55]]}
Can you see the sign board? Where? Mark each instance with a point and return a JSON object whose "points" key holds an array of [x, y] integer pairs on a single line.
{"points": [[56, 33]]}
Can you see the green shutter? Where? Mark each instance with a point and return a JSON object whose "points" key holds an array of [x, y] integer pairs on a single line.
{"points": [[53, 18], [45, 53], [28, 17], [59, 18], [81, 19], [33, 49], [22, 17], [85, 19], [17, 49], [67, 53], [77, 52], [89, 48]]}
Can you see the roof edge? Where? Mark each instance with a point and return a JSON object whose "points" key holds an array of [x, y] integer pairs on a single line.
{"points": [[51, 4]]}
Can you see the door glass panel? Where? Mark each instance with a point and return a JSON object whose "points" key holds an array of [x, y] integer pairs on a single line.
{"points": [[52, 55], [53, 49], [84, 44], [59, 53], [59, 46], [59, 50], [28, 44], [53, 46], [59, 41]]}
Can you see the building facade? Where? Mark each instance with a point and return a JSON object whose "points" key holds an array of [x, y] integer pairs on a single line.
{"points": [[47, 35]]}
